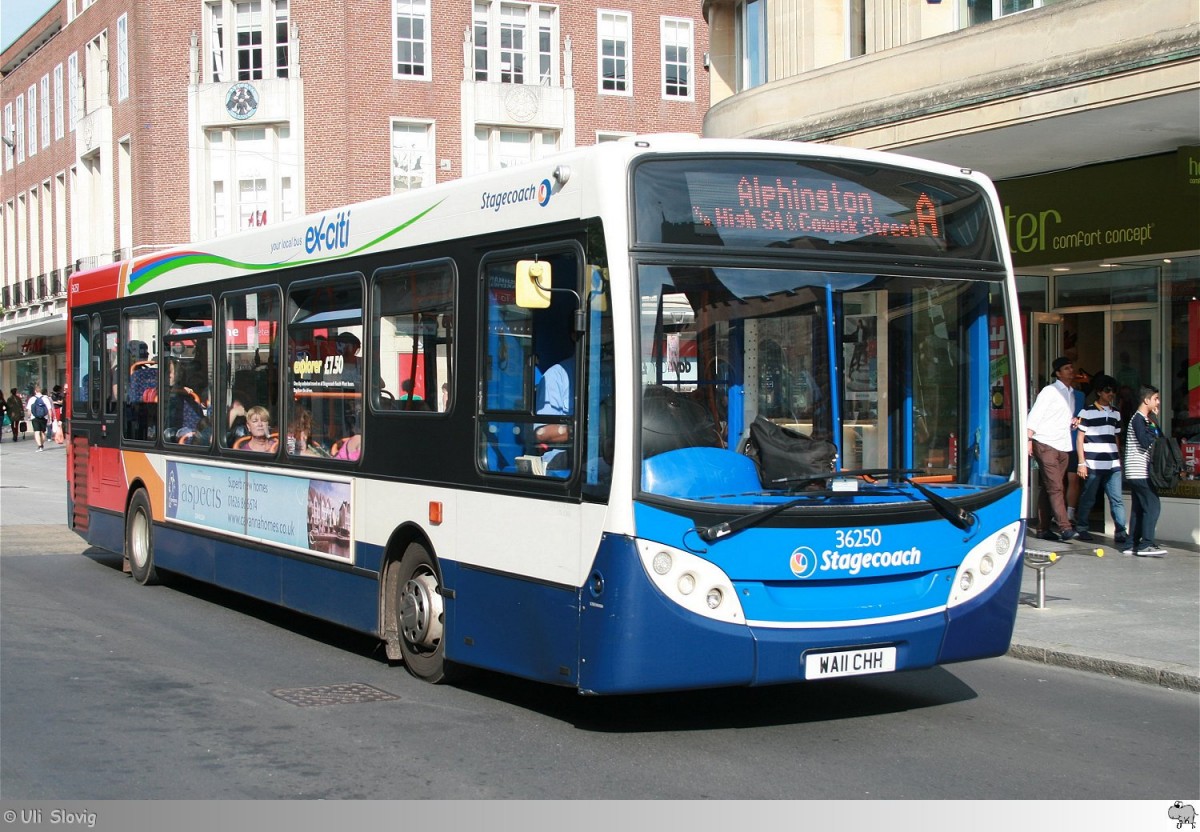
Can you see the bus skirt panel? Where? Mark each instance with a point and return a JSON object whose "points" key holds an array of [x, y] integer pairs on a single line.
{"points": [[297, 583]]}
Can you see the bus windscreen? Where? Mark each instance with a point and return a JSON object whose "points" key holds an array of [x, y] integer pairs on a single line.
{"points": [[821, 205]]}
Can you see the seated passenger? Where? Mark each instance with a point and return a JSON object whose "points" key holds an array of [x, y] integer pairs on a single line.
{"points": [[555, 397], [299, 436], [349, 447], [260, 438]]}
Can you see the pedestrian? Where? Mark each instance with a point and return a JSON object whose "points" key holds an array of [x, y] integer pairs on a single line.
{"points": [[16, 412], [41, 412], [56, 427], [1100, 457], [1050, 421], [1139, 440]]}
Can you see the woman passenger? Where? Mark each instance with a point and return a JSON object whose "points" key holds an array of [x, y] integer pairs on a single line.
{"points": [[258, 421]]}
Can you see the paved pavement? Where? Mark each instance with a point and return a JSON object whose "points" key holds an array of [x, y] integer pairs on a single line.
{"points": [[1136, 618]]}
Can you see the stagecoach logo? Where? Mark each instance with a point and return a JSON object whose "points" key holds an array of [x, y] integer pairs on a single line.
{"points": [[805, 563], [539, 193]]}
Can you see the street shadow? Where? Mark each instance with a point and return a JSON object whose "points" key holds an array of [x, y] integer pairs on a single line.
{"points": [[702, 710]]}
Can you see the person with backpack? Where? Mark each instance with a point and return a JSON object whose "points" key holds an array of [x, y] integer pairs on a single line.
{"points": [[1140, 434], [41, 411]]}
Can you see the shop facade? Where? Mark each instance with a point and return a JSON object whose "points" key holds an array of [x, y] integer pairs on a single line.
{"points": [[1108, 265]]}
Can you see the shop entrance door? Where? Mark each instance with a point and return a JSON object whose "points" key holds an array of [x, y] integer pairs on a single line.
{"points": [[1045, 344]]}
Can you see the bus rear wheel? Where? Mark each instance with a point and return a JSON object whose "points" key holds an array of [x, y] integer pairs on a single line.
{"points": [[420, 613], [139, 539]]}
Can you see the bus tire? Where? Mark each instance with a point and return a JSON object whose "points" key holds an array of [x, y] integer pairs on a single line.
{"points": [[139, 539], [420, 614]]}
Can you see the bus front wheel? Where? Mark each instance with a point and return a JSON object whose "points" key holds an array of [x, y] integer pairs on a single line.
{"points": [[420, 611], [139, 539]]}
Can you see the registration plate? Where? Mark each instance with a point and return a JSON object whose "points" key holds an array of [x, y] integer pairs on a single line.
{"points": [[850, 662]]}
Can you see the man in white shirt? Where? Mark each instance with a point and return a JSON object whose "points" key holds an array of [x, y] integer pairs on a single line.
{"points": [[1050, 444]]}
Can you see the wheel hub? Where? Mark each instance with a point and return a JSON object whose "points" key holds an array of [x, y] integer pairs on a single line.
{"points": [[421, 611]]}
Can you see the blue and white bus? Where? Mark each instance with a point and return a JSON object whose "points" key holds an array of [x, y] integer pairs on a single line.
{"points": [[664, 413]]}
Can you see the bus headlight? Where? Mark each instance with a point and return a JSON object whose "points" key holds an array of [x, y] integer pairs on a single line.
{"points": [[662, 563], [697, 585], [984, 564]]}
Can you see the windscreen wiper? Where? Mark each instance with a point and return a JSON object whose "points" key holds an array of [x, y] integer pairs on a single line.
{"points": [[961, 518]]}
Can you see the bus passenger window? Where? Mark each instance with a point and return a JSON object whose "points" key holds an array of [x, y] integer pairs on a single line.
{"points": [[413, 337], [140, 378], [187, 351], [324, 355], [251, 349]]}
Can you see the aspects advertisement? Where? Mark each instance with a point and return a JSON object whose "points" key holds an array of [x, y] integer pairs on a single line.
{"points": [[297, 512]]}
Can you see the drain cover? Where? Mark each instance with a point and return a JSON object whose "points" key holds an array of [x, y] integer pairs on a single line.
{"points": [[343, 694]]}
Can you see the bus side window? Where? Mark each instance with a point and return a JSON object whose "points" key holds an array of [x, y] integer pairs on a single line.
{"points": [[251, 322], [325, 361], [140, 379], [412, 337]]}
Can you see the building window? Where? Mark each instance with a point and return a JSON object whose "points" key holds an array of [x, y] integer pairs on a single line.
{"points": [[76, 110], [216, 34], [45, 91], [59, 122], [677, 58], [262, 36], [33, 122], [750, 43], [122, 57], [249, 41], [497, 148], [981, 11], [20, 131], [603, 136], [412, 38], [252, 174], [282, 39], [412, 151], [515, 43], [614, 53], [9, 130]]}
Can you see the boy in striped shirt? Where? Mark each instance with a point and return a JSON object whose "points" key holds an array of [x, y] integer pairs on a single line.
{"points": [[1100, 458]]}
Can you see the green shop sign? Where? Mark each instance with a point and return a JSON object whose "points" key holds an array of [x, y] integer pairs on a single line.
{"points": [[1139, 207]]}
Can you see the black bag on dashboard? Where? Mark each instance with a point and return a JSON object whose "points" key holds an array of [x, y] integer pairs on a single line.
{"points": [[784, 454]]}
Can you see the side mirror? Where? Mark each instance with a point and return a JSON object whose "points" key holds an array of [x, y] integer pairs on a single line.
{"points": [[533, 284]]}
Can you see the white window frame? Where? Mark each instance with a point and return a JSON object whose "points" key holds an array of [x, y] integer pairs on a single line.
{"points": [[31, 102], [412, 127], [76, 104], [45, 100], [668, 30], [59, 121], [540, 144], [412, 10], [998, 10], [19, 133], [539, 64], [9, 130], [247, 20], [609, 23], [122, 57]]}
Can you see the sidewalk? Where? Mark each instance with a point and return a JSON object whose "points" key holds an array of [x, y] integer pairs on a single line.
{"points": [[1137, 618]]}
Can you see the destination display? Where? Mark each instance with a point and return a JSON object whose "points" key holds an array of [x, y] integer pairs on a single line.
{"points": [[298, 512], [780, 203]]}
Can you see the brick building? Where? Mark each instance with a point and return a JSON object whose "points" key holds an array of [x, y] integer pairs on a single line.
{"points": [[132, 125]]}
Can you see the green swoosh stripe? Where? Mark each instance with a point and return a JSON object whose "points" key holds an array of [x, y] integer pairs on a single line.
{"points": [[196, 259]]}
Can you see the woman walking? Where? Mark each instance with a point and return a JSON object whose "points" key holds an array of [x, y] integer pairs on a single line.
{"points": [[1139, 440]]}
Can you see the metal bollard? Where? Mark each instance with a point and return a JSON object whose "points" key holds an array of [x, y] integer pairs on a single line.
{"points": [[1040, 560]]}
